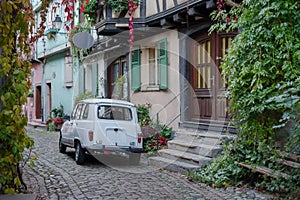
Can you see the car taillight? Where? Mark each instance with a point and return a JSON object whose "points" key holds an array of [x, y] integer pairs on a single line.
{"points": [[139, 138], [91, 135]]}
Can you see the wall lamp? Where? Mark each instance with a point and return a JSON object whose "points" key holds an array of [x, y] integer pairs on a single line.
{"points": [[56, 26]]}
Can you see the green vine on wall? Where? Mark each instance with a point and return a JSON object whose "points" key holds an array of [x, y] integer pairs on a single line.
{"points": [[15, 19], [262, 67]]}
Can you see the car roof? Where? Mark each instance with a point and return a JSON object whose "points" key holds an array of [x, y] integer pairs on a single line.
{"points": [[106, 101]]}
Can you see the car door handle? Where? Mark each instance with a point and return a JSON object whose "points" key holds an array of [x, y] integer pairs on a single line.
{"points": [[116, 129]]}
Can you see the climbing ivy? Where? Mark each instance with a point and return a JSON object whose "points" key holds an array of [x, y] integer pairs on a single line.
{"points": [[262, 67], [16, 20]]}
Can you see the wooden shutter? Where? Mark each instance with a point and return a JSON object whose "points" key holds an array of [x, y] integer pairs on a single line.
{"points": [[135, 69], [163, 63]]}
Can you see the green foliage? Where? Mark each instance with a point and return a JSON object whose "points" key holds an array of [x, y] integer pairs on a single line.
{"points": [[143, 114], [90, 10], [119, 87], [262, 67], [84, 95], [118, 6], [225, 170], [155, 135], [50, 126], [58, 111], [15, 17], [262, 59], [79, 52], [158, 139]]}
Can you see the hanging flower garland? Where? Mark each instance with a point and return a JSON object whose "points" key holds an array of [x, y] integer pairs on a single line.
{"points": [[69, 10], [132, 8]]}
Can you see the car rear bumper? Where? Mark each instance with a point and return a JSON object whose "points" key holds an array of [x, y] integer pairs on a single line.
{"points": [[102, 149]]}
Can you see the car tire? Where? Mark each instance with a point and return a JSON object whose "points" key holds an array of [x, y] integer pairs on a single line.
{"points": [[62, 147], [79, 154], [134, 158]]}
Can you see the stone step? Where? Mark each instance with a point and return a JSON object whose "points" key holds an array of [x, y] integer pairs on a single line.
{"points": [[195, 147], [200, 134], [172, 165], [184, 157], [221, 127], [205, 137]]}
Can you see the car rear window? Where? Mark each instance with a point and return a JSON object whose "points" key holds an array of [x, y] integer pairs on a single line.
{"points": [[114, 113]]}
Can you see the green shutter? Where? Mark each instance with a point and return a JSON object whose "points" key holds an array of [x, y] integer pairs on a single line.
{"points": [[135, 69], [163, 63]]}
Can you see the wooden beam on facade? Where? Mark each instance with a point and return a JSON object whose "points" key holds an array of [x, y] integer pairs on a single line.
{"points": [[178, 18], [196, 12], [166, 23]]}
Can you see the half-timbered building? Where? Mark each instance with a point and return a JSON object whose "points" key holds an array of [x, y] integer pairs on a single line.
{"points": [[174, 65]]}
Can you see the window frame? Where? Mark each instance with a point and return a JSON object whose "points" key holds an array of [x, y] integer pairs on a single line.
{"points": [[156, 68]]}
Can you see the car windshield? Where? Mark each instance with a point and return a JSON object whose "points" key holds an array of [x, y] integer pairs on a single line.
{"points": [[114, 113]]}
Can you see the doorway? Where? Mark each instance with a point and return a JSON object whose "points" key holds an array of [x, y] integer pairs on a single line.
{"points": [[208, 100]]}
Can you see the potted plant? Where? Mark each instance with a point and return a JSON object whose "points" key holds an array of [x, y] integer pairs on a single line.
{"points": [[90, 9], [122, 6], [58, 121]]}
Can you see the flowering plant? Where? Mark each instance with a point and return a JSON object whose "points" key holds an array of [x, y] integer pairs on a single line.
{"points": [[58, 120], [48, 121], [119, 5], [143, 112]]}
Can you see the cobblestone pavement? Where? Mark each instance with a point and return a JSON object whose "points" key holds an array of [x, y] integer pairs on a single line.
{"points": [[57, 176]]}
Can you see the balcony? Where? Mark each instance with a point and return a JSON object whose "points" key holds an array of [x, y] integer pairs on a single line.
{"points": [[168, 14], [109, 22]]}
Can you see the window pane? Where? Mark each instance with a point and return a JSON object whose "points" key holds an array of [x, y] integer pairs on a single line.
{"points": [[78, 111], [85, 111], [114, 113], [152, 66], [204, 64]]}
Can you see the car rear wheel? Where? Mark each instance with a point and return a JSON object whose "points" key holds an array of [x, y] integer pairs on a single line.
{"points": [[134, 158], [79, 154], [62, 147]]}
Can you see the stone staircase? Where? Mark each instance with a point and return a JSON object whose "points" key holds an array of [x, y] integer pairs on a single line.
{"points": [[189, 150]]}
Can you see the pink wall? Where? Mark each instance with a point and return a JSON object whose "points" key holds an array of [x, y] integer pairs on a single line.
{"points": [[37, 71]]}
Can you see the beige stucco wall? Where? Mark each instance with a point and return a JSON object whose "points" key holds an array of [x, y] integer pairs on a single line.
{"points": [[159, 98]]}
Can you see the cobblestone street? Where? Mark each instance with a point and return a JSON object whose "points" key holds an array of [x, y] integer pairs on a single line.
{"points": [[57, 176]]}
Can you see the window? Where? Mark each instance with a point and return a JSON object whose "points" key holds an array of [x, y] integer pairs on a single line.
{"points": [[153, 67], [204, 64], [68, 72], [114, 113], [117, 78], [77, 111], [85, 111], [157, 63]]}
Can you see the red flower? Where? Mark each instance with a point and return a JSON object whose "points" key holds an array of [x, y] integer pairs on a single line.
{"points": [[58, 120], [48, 121]]}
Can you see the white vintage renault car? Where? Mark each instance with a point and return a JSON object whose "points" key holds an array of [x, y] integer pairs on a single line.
{"points": [[102, 126]]}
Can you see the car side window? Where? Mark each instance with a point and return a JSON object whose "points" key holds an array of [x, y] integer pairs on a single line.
{"points": [[73, 112], [85, 111], [78, 111]]}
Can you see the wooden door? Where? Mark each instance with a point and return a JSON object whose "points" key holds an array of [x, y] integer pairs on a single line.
{"points": [[208, 101], [38, 102]]}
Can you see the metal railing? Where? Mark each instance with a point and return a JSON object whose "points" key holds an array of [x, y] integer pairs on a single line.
{"points": [[165, 106]]}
